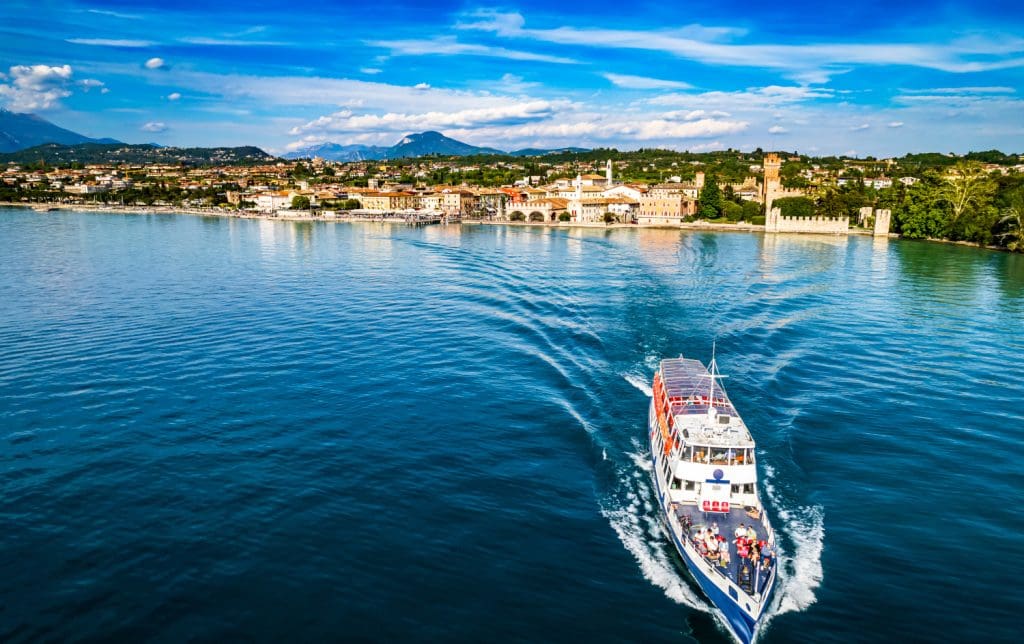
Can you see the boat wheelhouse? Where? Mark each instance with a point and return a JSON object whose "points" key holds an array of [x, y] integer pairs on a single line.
{"points": [[705, 474]]}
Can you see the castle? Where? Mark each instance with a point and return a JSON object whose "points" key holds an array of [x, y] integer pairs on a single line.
{"points": [[771, 186]]}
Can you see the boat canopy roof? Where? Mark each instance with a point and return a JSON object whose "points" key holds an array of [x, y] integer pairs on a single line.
{"points": [[688, 385]]}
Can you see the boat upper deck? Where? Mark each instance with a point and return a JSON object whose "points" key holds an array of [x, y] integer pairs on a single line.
{"points": [[748, 562], [688, 386]]}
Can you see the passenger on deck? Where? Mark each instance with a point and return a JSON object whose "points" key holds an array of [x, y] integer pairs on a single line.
{"points": [[751, 533], [740, 531], [723, 555], [714, 528], [712, 545]]}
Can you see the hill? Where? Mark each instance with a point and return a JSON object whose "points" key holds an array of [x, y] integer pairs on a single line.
{"points": [[20, 131], [540, 152], [413, 145], [114, 153]]}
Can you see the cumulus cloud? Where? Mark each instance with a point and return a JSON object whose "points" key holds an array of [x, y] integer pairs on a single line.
{"points": [[777, 129], [642, 82], [90, 83], [896, 124], [154, 126], [507, 114], [36, 87], [421, 86], [449, 46], [174, 96], [155, 63]]}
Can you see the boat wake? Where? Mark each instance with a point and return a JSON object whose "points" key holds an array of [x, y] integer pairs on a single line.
{"points": [[639, 382], [635, 520], [800, 571]]}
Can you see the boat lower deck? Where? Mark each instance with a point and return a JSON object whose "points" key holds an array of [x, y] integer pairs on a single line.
{"points": [[751, 575]]}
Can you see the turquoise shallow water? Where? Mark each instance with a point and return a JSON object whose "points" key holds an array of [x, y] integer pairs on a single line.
{"points": [[222, 429]]}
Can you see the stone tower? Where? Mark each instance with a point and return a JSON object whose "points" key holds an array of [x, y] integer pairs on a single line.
{"points": [[771, 185], [608, 174], [882, 218]]}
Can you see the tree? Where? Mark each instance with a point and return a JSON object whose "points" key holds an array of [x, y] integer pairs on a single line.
{"points": [[795, 206], [564, 217], [300, 202], [966, 185], [1013, 218], [710, 198], [751, 209], [609, 218], [732, 211]]}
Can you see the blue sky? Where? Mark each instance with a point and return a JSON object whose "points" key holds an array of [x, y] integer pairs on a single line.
{"points": [[865, 78]]}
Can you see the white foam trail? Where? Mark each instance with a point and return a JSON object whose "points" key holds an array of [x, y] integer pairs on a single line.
{"points": [[801, 572], [604, 454], [639, 383], [654, 565], [638, 527]]}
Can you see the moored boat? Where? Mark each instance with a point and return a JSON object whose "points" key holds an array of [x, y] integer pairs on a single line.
{"points": [[705, 477]]}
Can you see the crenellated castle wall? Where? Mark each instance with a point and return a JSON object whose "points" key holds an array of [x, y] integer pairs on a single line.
{"points": [[776, 223]]}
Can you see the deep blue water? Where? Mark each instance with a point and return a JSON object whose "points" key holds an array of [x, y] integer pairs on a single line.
{"points": [[218, 429]]}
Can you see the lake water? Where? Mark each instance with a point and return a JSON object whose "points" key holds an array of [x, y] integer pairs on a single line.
{"points": [[223, 429]]}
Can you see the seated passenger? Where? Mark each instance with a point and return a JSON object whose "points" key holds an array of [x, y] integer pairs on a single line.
{"points": [[740, 531], [751, 533]]}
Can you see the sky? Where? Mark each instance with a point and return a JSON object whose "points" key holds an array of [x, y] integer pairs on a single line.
{"points": [[858, 78]]}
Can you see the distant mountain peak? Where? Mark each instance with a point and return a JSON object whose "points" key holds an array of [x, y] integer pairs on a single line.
{"points": [[417, 144], [19, 131]]}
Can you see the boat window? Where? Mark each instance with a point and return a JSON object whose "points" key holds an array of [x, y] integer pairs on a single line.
{"points": [[735, 489], [722, 455], [676, 483], [748, 488], [690, 485], [748, 456], [700, 455]]}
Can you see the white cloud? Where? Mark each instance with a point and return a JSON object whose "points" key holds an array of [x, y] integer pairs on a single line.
{"points": [[230, 42], [90, 83], [111, 42], [861, 127], [174, 96], [105, 90], [115, 14], [962, 90], [895, 124], [643, 82], [777, 129], [421, 86], [370, 70], [35, 87], [809, 62], [449, 46], [154, 126], [510, 113], [155, 63]]}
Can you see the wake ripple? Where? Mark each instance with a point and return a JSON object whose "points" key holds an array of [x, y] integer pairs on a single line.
{"points": [[634, 519], [801, 571], [639, 382]]}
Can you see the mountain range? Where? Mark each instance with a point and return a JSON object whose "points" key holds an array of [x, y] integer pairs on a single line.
{"points": [[22, 132], [412, 145], [19, 131]]}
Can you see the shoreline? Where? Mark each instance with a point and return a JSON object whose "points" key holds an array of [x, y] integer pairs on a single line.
{"points": [[216, 212]]}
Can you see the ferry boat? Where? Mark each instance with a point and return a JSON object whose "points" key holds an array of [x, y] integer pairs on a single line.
{"points": [[705, 477]]}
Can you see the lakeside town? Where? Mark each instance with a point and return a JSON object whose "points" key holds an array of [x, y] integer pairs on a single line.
{"points": [[975, 198]]}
